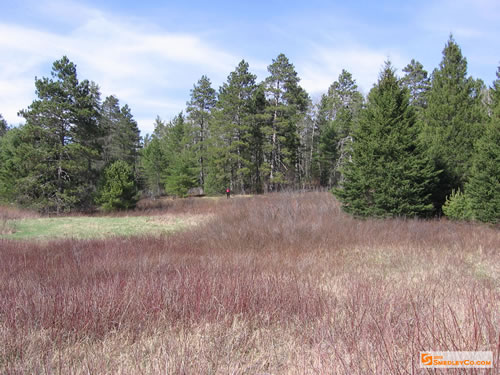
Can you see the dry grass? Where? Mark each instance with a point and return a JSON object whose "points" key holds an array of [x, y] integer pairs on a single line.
{"points": [[283, 284]]}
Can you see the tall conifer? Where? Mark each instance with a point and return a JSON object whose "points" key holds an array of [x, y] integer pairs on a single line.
{"points": [[453, 120], [389, 174]]}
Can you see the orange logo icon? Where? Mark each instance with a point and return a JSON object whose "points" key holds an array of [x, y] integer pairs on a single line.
{"points": [[426, 359]]}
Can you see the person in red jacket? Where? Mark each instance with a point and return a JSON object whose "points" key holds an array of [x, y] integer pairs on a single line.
{"points": [[228, 193]]}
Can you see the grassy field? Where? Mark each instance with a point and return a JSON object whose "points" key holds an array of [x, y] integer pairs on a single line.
{"points": [[279, 284], [82, 227]]}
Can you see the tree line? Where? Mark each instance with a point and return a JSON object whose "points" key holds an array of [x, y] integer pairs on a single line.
{"points": [[417, 145]]}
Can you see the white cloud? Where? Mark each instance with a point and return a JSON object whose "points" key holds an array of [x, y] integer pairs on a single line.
{"points": [[363, 63], [140, 64]]}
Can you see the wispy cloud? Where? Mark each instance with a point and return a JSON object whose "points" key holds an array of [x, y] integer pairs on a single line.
{"points": [[151, 61], [364, 63], [139, 64], [467, 19]]}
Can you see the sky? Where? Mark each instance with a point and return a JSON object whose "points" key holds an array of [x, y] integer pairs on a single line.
{"points": [[149, 54]]}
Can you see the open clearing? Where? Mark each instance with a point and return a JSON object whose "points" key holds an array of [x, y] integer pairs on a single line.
{"points": [[278, 284], [81, 227]]}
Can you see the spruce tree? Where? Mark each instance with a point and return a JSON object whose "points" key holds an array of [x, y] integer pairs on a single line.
{"points": [[452, 121], [482, 191], [389, 174]]}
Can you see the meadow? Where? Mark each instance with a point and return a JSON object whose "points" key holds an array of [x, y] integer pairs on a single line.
{"points": [[273, 284]]}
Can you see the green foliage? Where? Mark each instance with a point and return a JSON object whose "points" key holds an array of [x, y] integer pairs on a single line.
{"points": [[12, 161], [118, 190], [3, 126], [181, 175], [481, 198], [121, 139], [389, 174], [417, 82], [153, 165], [452, 121], [458, 206], [230, 157], [59, 142], [182, 168], [199, 109], [338, 112], [287, 106], [483, 186]]}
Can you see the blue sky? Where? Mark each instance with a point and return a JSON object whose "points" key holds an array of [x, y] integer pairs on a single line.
{"points": [[150, 53]]}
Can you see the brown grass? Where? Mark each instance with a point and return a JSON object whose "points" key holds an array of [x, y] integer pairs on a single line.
{"points": [[280, 284]]}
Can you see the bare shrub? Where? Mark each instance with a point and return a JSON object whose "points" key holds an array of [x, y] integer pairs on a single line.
{"points": [[282, 284]]}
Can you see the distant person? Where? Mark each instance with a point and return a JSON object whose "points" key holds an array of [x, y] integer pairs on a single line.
{"points": [[228, 193]]}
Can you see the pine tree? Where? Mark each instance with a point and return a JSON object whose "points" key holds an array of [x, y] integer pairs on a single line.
{"points": [[288, 104], [259, 167], [452, 121], [60, 142], [230, 161], [417, 82], [337, 115], [389, 174], [199, 109]]}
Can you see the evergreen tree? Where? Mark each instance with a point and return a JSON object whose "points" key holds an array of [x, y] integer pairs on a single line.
{"points": [[483, 187], [452, 121], [389, 174], [309, 145], [230, 164], [60, 142], [3, 126], [121, 136], [259, 167], [495, 96], [12, 165], [417, 82], [337, 114], [181, 155], [482, 190], [118, 191], [153, 165], [199, 108], [288, 104]]}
